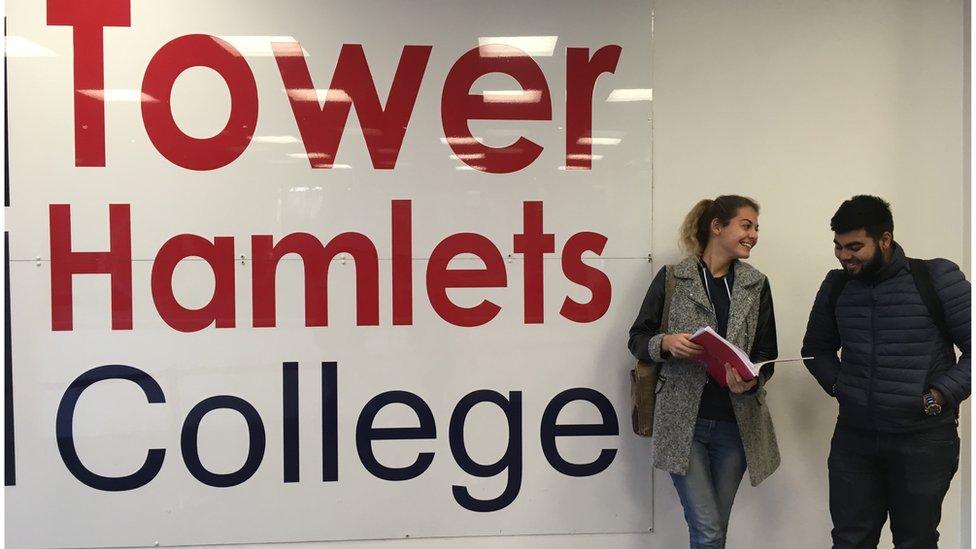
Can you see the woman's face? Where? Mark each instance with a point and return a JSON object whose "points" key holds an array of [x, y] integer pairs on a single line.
{"points": [[740, 236]]}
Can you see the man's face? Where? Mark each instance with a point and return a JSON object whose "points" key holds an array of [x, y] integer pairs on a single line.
{"points": [[859, 254]]}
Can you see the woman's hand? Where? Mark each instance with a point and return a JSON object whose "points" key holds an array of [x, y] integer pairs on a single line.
{"points": [[736, 384], [680, 346]]}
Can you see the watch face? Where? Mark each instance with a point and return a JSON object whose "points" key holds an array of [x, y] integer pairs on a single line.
{"points": [[933, 409]]}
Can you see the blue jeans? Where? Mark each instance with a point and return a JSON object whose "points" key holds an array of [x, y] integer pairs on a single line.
{"points": [[718, 462]]}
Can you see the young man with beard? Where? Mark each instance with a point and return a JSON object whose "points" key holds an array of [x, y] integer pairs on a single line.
{"points": [[898, 384]]}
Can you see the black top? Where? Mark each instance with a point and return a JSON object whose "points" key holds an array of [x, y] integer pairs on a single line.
{"points": [[716, 404]]}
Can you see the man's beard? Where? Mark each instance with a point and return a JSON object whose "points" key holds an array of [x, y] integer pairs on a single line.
{"points": [[870, 268]]}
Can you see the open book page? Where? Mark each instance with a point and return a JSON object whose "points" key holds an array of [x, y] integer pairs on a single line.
{"points": [[759, 365]]}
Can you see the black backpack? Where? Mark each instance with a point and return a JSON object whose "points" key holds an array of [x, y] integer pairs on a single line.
{"points": [[923, 283]]}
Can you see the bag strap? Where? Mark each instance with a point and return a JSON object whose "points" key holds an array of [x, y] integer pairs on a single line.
{"points": [[669, 284], [926, 289]]}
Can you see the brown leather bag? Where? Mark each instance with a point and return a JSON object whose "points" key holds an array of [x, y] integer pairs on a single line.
{"points": [[643, 378]]}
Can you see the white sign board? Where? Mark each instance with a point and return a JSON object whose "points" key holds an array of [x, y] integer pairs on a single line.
{"points": [[289, 271]]}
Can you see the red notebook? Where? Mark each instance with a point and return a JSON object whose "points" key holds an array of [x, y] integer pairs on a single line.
{"points": [[719, 351]]}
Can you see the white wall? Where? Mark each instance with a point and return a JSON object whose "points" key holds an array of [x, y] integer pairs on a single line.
{"points": [[800, 105]]}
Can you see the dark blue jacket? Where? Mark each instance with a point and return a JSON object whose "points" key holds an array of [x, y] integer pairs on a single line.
{"points": [[891, 349]]}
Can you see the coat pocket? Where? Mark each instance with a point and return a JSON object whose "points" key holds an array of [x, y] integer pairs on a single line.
{"points": [[661, 381]]}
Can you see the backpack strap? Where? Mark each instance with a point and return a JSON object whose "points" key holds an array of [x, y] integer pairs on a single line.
{"points": [[669, 283], [926, 289]]}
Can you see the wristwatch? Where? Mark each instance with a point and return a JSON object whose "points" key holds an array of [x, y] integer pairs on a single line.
{"points": [[931, 407]]}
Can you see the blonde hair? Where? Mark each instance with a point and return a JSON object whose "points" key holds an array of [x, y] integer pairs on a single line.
{"points": [[696, 229]]}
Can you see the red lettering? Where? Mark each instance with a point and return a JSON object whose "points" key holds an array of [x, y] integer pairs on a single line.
{"points": [[220, 256], [401, 224], [589, 277], [316, 259], [352, 84], [582, 72], [117, 263], [458, 107], [440, 278], [88, 19], [533, 243], [180, 54]]}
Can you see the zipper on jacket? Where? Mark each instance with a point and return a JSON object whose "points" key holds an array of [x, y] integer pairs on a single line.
{"points": [[874, 360]]}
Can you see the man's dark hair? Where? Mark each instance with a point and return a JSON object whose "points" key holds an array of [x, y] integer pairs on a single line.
{"points": [[864, 211]]}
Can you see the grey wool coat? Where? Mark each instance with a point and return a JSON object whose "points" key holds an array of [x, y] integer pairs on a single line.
{"points": [[682, 381]]}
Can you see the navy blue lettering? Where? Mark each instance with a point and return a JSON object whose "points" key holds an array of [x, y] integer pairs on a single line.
{"points": [[512, 460], [255, 447], [366, 434], [330, 423], [64, 429], [289, 400], [550, 430]]}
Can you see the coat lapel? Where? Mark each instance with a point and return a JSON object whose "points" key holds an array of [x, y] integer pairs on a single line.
{"points": [[744, 291], [688, 270]]}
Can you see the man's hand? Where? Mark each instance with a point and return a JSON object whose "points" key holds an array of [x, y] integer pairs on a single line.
{"points": [[736, 383], [680, 346], [939, 399]]}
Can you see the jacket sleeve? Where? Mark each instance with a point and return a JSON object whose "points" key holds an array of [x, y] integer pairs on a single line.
{"points": [[822, 340], [954, 293], [645, 334], [764, 346]]}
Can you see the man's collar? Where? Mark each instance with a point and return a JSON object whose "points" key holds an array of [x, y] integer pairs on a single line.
{"points": [[893, 267]]}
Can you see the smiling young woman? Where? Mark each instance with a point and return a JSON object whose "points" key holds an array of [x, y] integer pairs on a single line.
{"points": [[707, 436]]}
